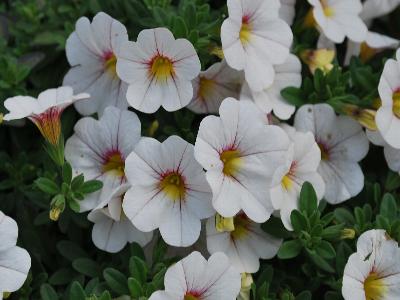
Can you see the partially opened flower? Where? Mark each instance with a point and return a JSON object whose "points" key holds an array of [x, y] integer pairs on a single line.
{"points": [[244, 244], [98, 149], [212, 86], [343, 144], [112, 230], [159, 70], [339, 19], [169, 190], [92, 51], [45, 111], [270, 99], [373, 272], [302, 166], [15, 262], [388, 115], [240, 154], [254, 39], [287, 11], [195, 278]]}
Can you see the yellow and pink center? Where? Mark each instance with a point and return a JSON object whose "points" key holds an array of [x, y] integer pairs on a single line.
{"points": [[396, 103], [110, 62], [161, 68], [172, 183], [192, 295], [245, 30], [49, 124], [287, 180], [232, 161], [114, 163]]}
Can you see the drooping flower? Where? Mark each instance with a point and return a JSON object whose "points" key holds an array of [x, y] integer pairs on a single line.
{"points": [[45, 111], [244, 244], [240, 154], [195, 278], [254, 39], [343, 144], [373, 272], [388, 115], [112, 230], [339, 19], [98, 150], [92, 51], [169, 190], [287, 11], [301, 166], [212, 86], [15, 262], [159, 70], [270, 99]]}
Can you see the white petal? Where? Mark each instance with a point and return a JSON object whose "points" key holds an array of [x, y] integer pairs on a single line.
{"points": [[8, 232], [15, 263]]}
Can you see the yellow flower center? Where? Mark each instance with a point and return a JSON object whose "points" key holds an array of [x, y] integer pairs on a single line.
{"points": [[328, 11], [191, 297], [114, 164], [241, 230], [173, 185], [232, 162], [287, 180], [374, 287], [162, 68], [206, 87], [245, 30], [396, 104], [110, 64], [324, 151]]}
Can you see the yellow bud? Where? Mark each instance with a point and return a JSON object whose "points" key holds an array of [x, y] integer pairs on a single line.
{"points": [[55, 213], [217, 51], [6, 295], [366, 117], [246, 282], [153, 128], [224, 224], [348, 234], [318, 59]]}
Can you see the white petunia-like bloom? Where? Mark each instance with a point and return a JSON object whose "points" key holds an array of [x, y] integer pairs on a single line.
{"points": [[244, 244], [254, 39], [15, 262], [212, 86], [195, 278], [343, 144], [98, 150], [339, 19], [388, 115], [45, 111], [159, 70], [373, 272], [112, 230], [302, 165], [92, 51], [270, 99], [169, 190], [287, 11], [240, 154], [377, 8]]}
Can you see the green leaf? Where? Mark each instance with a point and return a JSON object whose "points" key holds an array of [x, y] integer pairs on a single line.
{"points": [[290, 249], [76, 292], [320, 261], [90, 186], [343, 215], [326, 250], [62, 276], [138, 269], [305, 295], [299, 222], [47, 292], [77, 182], [388, 207], [116, 281], [70, 250], [135, 288], [47, 186], [67, 173], [308, 199], [293, 95], [392, 181], [86, 267]]}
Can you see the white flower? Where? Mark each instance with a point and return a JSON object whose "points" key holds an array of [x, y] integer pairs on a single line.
{"points": [[377, 8], [98, 150], [45, 111], [15, 262], [254, 39], [112, 229], [169, 190], [159, 70], [302, 166], [270, 99], [338, 19], [343, 144], [373, 272], [244, 245], [287, 11], [195, 278], [388, 115], [212, 86], [241, 155], [92, 51]]}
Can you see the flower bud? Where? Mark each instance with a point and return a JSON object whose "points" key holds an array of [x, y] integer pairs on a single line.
{"points": [[224, 224]]}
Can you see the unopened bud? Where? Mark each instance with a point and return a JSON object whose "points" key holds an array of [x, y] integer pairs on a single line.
{"points": [[224, 224], [246, 282], [153, 128], [348, 234], [318, 59], [366, 117], [57, 206]]}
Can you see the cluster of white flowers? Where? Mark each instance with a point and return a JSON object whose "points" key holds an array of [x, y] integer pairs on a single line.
{"points": [[241, 168]]}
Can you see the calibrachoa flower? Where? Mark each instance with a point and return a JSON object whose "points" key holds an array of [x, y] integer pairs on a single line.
{"points": [[92, 51], [195, 278], [301, 166], [343, 144], [241, 155], [270, 99], [112, 229], [169, 190], [388, 115], [377, 8], [159, 70], [254, 39], [98, 150], [15, 262], [212, 86], [287, 11], [45, 111], [373, 272], [338, 19], [244, 244]]}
